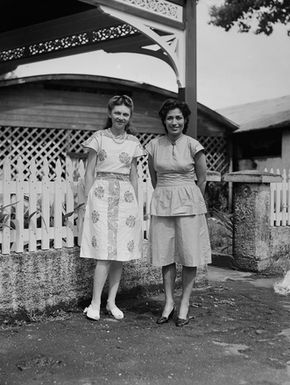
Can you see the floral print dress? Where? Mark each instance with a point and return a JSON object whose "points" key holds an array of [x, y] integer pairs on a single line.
{"points": [[112, 227]]}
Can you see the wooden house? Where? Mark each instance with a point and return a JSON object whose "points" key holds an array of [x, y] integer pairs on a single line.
{"points": [[51, 115], [263, 137]]}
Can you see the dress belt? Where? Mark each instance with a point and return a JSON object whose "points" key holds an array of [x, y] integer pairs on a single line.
{"points": [[175, 179], [113, 176]]}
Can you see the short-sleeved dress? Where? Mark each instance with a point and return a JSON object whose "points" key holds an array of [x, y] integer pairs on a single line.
{"points": [[112, 227], [179, 231]]}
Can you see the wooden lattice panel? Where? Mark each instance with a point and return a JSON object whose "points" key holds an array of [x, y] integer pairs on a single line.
{"points": [[76, 138], [144, 139], [39, 143], [35, 143], [216, 153]]}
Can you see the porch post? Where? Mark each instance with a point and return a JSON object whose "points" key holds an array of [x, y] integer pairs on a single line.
{"points": [[188, 93]]}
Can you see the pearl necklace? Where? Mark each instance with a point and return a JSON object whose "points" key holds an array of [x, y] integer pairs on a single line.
{"points": [[117, 139]]}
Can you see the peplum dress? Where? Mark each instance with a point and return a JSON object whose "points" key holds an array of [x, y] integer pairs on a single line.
{"points": [[178, 228], [112, 226]]}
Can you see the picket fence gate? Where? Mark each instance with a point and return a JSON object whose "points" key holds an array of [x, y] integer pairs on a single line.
{"points": [[42, 214], [280, 199]]}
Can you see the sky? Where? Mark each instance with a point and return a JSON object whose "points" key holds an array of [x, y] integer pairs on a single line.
{"points": [[236, 68], [232, 68]]}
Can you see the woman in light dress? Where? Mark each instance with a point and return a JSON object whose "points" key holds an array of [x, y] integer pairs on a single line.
{"points": [[112, 228], [179, 232]]}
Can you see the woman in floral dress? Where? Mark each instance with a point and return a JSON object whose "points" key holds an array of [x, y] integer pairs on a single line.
{"points": [[112, 227]]}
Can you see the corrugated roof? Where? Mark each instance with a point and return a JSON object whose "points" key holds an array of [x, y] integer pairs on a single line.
{"points": [[264, 114]]}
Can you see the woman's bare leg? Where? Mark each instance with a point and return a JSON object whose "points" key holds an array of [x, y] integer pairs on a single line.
{"points": [[169, 275], [115, 274], [114, 280], [188, 277], [100, 276]]}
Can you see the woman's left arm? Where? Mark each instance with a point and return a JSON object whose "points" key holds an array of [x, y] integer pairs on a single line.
{"points": [[134, 176], [200, 170]]}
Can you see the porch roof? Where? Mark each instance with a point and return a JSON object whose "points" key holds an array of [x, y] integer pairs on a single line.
{"points": [[264, 114], [34, 30]]}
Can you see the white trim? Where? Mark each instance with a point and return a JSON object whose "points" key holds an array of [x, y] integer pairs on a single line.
{"points": [[162, 8], [172, 44]]}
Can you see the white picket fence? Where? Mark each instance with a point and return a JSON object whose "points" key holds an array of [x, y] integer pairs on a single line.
{"points": [[280, 199], [37, 213], [43, 214]]}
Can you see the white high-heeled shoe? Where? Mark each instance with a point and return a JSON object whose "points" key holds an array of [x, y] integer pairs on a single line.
{"points": [[92, 313], [114, 311]]}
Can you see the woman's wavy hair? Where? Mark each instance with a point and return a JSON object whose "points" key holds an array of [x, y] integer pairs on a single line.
{"points": [[119, 100], [171, 104]]}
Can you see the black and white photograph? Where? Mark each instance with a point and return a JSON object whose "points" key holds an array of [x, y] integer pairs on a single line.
{"points": [[145, 192]]}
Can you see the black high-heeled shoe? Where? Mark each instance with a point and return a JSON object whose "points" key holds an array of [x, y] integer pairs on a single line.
{"points": [[181, 322], [163, 320]]}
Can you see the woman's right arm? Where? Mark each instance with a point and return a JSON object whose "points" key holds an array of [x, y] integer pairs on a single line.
{"points": [[90, 171], [152, 171], [200, 170]]}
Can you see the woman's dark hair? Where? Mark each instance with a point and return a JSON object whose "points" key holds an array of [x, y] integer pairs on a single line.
{"points": [[119, 100], [171, 104]]}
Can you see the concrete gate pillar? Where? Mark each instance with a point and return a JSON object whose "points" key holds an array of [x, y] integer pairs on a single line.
{"points": [[252, 233]]}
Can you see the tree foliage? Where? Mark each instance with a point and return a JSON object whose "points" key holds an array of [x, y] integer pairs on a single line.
{"points": [[258, 16]]}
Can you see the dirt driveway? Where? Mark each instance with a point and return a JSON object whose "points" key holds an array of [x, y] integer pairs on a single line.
{"points": [[240, 336]]}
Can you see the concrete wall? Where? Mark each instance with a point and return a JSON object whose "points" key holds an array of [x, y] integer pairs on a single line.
{"points": [[280, 249], [59, 278], [48, 280], [38, 280]]}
